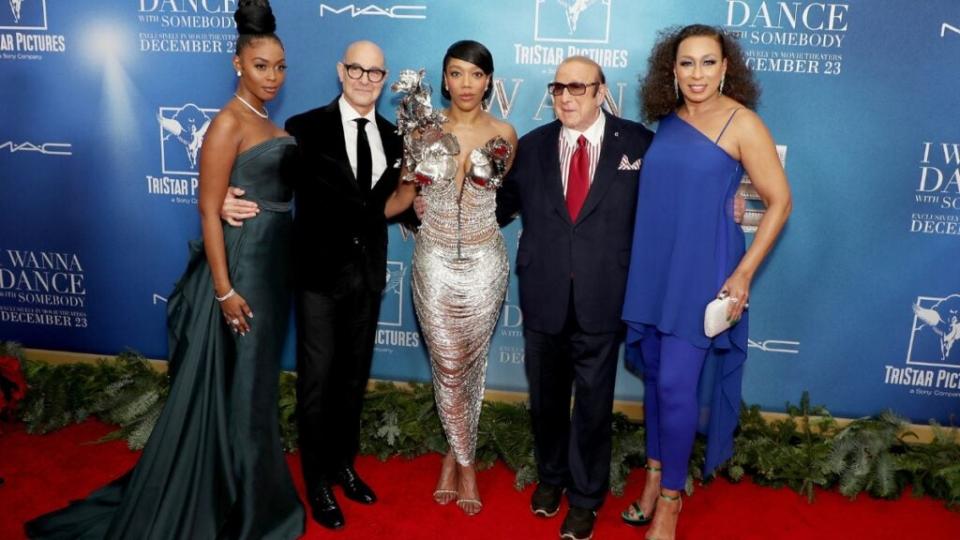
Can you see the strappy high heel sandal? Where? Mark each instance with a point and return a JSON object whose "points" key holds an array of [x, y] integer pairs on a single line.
{"points": [[670, 498], [443, 495], [470, 505], [673, 498], [466, 504], [633, 515]]}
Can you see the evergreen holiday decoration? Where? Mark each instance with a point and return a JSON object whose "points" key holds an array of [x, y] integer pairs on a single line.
{"points": [[805, 450], [13, 384]]}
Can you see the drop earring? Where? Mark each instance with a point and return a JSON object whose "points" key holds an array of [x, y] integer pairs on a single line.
{"points": [[238, 73], [723, 78], [676, 87]]}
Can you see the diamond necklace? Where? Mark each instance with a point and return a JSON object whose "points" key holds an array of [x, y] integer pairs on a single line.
{"points": [[252, 108]]}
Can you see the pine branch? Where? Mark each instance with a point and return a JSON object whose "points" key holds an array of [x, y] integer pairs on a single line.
{"points": [[804, 451]]}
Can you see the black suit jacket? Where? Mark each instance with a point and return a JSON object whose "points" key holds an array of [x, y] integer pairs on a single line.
{"points": [[592, 253], [340, 232]]}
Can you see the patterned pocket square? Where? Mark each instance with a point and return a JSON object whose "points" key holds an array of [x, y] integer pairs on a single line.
{"points": [[627, 165]]}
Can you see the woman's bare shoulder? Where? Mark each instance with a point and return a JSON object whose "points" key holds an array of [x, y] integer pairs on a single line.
{"points": [[225, 128], [503, 129]]}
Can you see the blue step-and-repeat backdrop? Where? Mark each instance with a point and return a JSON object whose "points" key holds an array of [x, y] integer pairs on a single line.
{"points": [[859, 303]]}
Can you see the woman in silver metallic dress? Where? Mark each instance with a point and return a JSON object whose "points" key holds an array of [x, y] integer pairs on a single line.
{"points": [[460, 267]]}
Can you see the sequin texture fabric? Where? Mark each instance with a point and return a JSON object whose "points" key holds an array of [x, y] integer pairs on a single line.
{"points": [[460, 273]]}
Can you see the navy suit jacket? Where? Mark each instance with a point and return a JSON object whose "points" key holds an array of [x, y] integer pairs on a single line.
{"points": [[593, 252]]}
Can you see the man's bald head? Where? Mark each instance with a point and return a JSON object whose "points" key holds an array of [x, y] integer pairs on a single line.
{"points": [[585, 61], [363, 50], [362, 93]]}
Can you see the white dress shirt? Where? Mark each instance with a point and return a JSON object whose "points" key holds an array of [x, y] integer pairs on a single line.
{"points": [[379, 159], [568, 145]]}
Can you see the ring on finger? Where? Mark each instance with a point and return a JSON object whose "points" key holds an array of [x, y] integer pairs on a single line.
{"points": [[235, 322]]}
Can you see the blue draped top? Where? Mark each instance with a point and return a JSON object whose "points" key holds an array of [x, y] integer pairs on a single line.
{"points": [[685, 245]]}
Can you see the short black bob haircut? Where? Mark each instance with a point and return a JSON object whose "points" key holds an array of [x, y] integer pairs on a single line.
{"points": [[473, 52]]}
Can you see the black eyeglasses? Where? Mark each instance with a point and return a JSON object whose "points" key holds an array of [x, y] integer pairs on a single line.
{"points": [[575, 88], [356, 71]]}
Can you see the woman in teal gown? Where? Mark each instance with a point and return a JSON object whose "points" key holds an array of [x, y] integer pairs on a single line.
{"points": [[214, 466]]}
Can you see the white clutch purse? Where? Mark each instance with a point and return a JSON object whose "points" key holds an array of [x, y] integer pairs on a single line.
{"points": [[715, 316]]}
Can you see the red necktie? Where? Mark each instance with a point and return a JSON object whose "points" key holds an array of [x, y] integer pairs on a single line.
{"points": [[578, 180]]}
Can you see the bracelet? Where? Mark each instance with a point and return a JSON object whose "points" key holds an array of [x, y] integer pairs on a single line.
{"points": [[230, 293]]}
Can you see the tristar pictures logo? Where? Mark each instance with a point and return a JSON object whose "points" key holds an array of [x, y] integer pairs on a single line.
{"points": [[25, 15], [936, 329], [399, 11], [565, 28], [23, 31], [181, 136], [574, 21]]}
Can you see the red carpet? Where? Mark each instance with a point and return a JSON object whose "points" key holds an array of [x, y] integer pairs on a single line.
{"points": [[44, 472]]}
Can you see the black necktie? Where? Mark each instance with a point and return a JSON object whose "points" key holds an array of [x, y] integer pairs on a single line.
{"points": [[364, 160]]}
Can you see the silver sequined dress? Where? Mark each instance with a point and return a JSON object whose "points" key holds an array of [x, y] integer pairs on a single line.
{"points": [[460, 273]]}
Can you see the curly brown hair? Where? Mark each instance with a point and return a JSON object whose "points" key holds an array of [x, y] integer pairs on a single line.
{"points": [[657, 92]]}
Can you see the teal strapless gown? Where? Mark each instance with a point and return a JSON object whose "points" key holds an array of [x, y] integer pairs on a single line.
{"points": [[214, 466]]}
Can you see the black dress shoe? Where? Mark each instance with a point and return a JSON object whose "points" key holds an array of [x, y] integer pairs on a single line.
{"points": [[578, 525], [325, 509], [353, 487], [545, 501]]}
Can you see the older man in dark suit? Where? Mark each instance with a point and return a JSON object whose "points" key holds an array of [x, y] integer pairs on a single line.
{"points": [[347, 169], [574, 182]]}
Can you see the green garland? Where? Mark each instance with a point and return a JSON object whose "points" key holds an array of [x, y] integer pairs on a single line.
{"points": [[807, 449]]}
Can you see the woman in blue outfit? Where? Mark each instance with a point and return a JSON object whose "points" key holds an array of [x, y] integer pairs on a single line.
{"points": [[687, 250], [214, 466]]}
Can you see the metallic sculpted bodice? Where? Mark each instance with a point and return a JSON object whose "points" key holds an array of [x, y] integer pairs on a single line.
{"points": [[460, 217], [460, 266]]}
